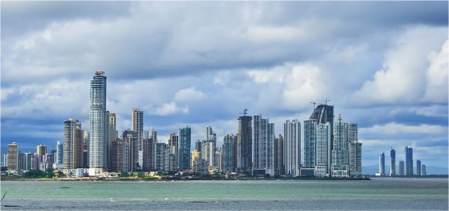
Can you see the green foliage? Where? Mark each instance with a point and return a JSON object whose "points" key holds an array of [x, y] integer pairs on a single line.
{"points": [[164, 174], [35, 174]]}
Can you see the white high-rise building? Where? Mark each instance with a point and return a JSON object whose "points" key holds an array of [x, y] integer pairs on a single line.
{"points": [[73, 144], [97, 120], [292, 147], [263, 143], [208, 148], [323, 149]]}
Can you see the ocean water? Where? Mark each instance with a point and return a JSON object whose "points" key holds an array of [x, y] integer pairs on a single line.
{"points": [[375, 194]]}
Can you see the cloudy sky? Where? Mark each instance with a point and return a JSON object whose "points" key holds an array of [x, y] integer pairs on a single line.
{"points": [[383, 65]]}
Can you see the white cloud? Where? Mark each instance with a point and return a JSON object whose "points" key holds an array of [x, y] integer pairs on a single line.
{"points": [[403, 77], [395, 128], [189, 94], [437, 76], [171, 108]]}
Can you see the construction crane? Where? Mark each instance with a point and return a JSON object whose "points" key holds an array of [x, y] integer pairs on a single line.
{"points": [[314, 103], [244, 112], [325, 101]]}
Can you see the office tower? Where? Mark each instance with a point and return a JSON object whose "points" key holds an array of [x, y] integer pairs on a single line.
{"points": [[59, 153], [309, 143], [119, 156], [106, 140], [244, 144], [149, 153], [21, 161], [184, 148], [5, 160], [112, 129], [218, 160], [153, 134], [323, 149], [418, 167], [423, 170], [292, 147], [324, 113], [340, 159], [28, 160], [263, 141], [12, 156], [279, 168], [198, 146], [137, 125], [147, 134], [382, 164], [195, 155], [355, 158], [393, 162], [173, 146], [209, 145], [35, 161], [401, 168], [73, 144], [409, 160], [130, 137], [97, 119], [229, 154], [161, 157], [41, 150]]}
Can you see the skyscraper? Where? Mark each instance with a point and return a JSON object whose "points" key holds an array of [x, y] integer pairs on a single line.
{"points": [[12, 156], [73, 144], [161, 157], [393, 162], [263, 141], [323, 150], [153, 134], [137, 125], [112, 135], [229, 153], [309, 143], [340, 160], [59, 153], [209, 145], [97, 121], [355, 158], [382, 164], [324, 113], [292, 147], [418, 167], [279, 167], [41, 150], [423, 170], [173, 146], [130, 137], [409, 160], [401, 168], [106, 140], [184, 148], [198, 147], [244, 143]]}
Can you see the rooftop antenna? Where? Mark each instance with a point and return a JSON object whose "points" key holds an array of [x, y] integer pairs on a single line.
{"points": [[244, 112]]}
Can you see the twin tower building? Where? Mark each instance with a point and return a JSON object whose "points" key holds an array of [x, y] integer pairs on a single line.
{"points": [[331, 148]]}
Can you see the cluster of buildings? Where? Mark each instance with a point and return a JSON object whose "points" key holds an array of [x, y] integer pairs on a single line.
{"points": [[331, 147], [42, 160], [405, 168]]}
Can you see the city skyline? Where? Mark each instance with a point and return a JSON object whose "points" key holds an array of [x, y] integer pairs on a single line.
{"points": [[183, 89]]}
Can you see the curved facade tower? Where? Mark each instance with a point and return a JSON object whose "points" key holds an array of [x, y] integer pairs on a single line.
{"points": [[97, 119]]}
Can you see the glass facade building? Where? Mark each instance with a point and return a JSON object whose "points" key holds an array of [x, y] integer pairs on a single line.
{"points": [[97, 119], [184, 148]]}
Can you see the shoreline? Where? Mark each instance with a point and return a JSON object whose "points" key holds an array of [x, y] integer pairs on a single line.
{"points": [[171, 179]]}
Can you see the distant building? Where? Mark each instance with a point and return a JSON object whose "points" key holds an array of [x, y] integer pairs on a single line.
{"points": [[173, 146], [209, 146], [130, 137], [309, 143], [218, 160], [41, 150], [198, 146], [162, 157], [119, 156], [149, 154], [12, 157], [137, 126], [423, 170], [59, 153], [292, 147], [355, 158], [244, 144], [5, 160], [323, 149], [279, 168], [113, 135], [73, 144], [401, 168], [194, 157], [263, 141], [418, 167], [382, 164], [184, 148], [340, 159], [97, 120], [393, 163], [229, 153], [409, 160]]}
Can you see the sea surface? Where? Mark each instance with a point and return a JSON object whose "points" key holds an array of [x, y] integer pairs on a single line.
{"points": [[375, 194]]}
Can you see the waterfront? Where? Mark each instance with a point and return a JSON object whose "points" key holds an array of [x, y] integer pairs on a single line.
{"points": [[376, 194]]}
